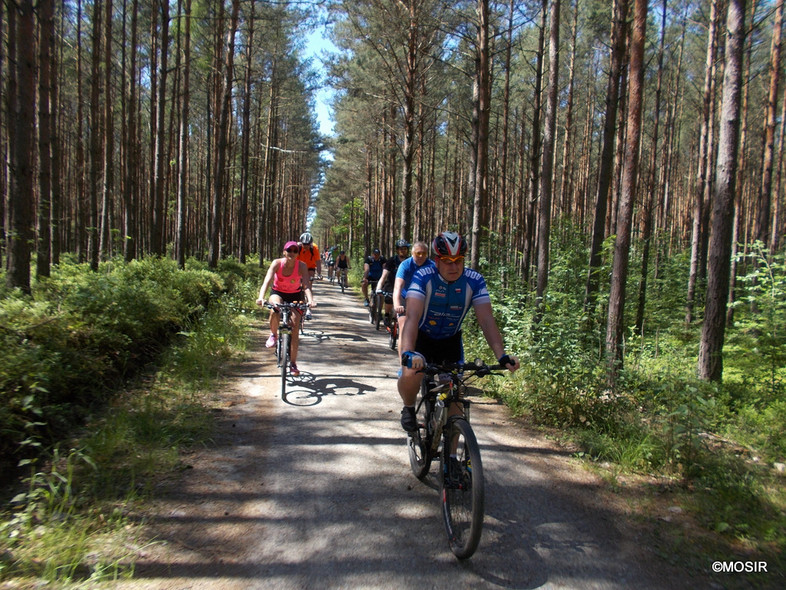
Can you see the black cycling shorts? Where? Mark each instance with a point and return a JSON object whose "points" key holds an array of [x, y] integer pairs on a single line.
{"points": [[288, 297], [450, 349]]}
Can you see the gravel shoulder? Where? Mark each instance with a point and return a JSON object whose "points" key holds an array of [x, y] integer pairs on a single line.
{"points": [[314, 490]]}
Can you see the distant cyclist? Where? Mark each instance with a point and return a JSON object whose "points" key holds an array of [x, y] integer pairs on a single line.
{"points": [[309, 254], [331, 263], [438, 300], [389, 276], [291, 283], [342, 264], [372, 271]]}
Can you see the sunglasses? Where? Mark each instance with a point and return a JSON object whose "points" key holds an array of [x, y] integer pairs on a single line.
{"points": [[293, 250], [451, 259]]}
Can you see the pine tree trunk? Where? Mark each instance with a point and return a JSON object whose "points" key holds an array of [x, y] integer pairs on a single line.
{"points": [[535, 150], [646, 231], [763, 217], [21, 96], [45, 48], [710, 365], [132, 156], [607, 155], [219, 184], [182, 185], [703, 162], [549, 141], [619, 275], [96, 153]]}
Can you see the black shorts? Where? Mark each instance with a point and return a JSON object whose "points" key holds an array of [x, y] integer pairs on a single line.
{"points": [[289, 297], [450, 349]]}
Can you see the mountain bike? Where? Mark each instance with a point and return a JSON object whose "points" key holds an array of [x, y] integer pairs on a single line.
{"points": [[342, 278], [444, 432], [283, 342]]}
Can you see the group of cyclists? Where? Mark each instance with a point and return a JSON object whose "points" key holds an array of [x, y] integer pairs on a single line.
{"points": [[429, 297]]}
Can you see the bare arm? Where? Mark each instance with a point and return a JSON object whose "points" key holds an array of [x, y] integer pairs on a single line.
{"points": [[409, 335], [382, 279], [398, 301], [272, 269]]}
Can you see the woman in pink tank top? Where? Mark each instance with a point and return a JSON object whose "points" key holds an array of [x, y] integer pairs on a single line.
{"points": [[290, 283]]}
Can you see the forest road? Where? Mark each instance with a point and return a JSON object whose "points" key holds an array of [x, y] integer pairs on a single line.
{"points": [[315, 490]]}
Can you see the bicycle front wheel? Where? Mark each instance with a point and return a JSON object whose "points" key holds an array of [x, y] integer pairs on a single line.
{"points": [[462, 488], [284, 359]]}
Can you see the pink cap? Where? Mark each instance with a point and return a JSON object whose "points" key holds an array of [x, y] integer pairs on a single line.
{"points": [[290, 244]]}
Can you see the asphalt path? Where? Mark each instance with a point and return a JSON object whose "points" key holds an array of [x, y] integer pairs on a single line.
{"points": [[313, 489]]}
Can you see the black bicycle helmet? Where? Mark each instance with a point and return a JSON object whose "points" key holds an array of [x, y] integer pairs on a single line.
{"points": [[402, 244], [306, 238], [449, 243]]}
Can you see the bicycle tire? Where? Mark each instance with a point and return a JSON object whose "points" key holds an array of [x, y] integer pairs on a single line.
{"points": [[284, 362], [393, 342], [418, 442], [462, 504]]}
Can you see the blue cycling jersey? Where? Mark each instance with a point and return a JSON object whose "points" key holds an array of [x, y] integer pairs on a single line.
{"points": [[446, 304], [407, 269]]}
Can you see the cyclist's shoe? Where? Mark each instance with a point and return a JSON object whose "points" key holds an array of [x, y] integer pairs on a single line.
{"points": [[294, 370], [453, 475], [271, 341], [409, 420], [365, 303], [308, 314]]}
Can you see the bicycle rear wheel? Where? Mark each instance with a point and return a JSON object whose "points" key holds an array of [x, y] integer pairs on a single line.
{"points": [[284, 360], [462, 488], [418, 441]]}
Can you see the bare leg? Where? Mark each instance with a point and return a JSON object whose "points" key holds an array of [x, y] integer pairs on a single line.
{"points": [[275, 318]]}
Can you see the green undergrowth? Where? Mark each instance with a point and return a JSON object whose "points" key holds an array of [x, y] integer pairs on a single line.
{"points": [[69, 519], [720, 448]]}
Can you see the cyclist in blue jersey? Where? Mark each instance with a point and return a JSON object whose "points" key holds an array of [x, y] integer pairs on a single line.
{"points": [[372, 271], [406, 270], [438, 299]]}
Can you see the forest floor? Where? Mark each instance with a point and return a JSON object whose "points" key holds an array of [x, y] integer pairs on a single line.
{"points": [[313, 489]]}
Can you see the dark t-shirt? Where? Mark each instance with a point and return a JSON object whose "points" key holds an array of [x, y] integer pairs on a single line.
{"points": [[375, 268], [392, 267]]}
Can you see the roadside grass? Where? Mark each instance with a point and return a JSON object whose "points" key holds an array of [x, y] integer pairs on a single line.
{"points": [[71, 525]]}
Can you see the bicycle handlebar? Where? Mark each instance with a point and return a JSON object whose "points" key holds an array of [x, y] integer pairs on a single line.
{"points": [[284, 304], [478, 366]]}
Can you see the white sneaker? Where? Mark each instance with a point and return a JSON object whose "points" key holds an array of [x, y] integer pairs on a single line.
{"points": [[271, 341]]}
